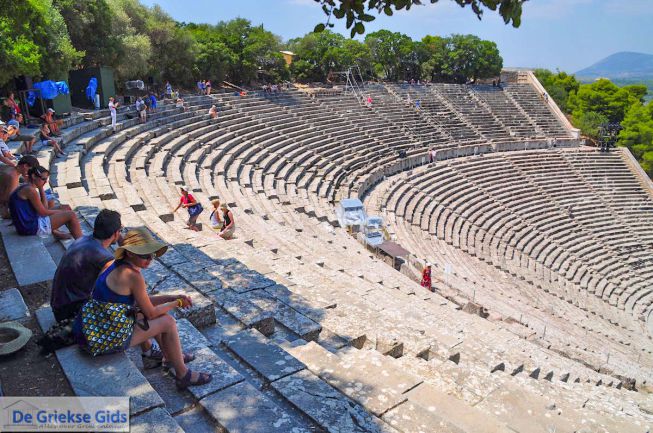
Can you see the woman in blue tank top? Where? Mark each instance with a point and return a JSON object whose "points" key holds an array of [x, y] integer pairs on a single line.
{"points": [[28, 206], [122, 282]]}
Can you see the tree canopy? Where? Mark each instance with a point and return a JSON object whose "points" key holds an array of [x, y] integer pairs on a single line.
{"points": [[46, 38], [358, 12], [590, 105], [395, 56]]}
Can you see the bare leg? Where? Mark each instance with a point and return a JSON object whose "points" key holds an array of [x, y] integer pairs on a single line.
{"points": [[68, 218], [165, 327]]}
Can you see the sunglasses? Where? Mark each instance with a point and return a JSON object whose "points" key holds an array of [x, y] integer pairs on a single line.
{"points": [[150, 256], [44, 179]]}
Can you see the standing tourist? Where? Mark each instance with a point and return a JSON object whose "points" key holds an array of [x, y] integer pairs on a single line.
{"points": [[112, 110], [187, 201], [426, 277]]}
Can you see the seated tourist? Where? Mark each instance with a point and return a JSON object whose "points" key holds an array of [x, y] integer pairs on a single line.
{"points": [[122, 282], [229, 226], [30, 213], [213, 112], [14, 133], [216, 220], [8, 183], [46, 138], [80, 266], [6, 157], [180, 104], [53, 124], [24, 165]]}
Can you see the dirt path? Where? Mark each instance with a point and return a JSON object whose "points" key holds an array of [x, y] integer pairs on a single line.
{"points": [[27, 372]]}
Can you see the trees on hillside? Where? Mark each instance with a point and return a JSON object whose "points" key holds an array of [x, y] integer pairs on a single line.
{"points": [[590, 105]]}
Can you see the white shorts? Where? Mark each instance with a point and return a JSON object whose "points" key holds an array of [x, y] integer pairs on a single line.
{"points": [[45, 226]]}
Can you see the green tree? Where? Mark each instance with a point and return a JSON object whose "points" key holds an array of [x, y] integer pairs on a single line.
{"points": [[253, 49], [89, 24], [559, 86], [589, 122], [393, 53], [319, 54], [637, 134], [602, 97], [358, 12], [34, 41], [213, 56]]}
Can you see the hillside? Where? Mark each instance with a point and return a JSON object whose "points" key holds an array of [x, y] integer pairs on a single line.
{"points": [[622, 65]]}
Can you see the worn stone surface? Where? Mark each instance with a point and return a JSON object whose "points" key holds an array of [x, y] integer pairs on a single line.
{"points": [[205, 361], [244, 409], [268, 359], [366, 376], [453, 411], [155, 421], [243, 310], [196, 420], [23, 252], [12, 306], [225, 327], [299, 324], [238, 277], [202, 280], [201, 313], [163, 383], [108, 375], [326, 406], [412, 418]]}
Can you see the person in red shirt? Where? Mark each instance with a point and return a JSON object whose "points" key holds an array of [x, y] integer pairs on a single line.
{"points": [[187, 201], [426, 277]]}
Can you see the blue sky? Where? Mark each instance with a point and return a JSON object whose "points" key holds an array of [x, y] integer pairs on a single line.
{"points": [[564, 34]]}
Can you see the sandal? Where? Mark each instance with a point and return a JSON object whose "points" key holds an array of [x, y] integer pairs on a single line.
{"points": [[188, 357], [185, 382]]}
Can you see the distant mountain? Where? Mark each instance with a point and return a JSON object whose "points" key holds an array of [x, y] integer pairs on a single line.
{"points": [[624, 65]]}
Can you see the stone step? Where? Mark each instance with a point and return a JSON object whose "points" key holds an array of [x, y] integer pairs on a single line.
{"points": [[103, 376], [206, 361], [267, 358], [23, 252], [154, 421], [363, 375], [301, 325], [326, 406], [244, 409], [426, 400]]}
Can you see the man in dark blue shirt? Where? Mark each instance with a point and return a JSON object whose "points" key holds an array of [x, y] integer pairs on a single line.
{"points": [[82, 263]]}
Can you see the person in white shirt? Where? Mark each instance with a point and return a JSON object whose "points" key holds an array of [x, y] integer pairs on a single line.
{"points": [[216, 220], [213, 112], [112, 110], [5, 154]]}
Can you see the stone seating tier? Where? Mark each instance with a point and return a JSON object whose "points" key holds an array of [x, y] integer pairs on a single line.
{"points": [[338, 296]]}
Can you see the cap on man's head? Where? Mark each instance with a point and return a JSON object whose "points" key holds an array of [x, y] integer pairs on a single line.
{"points": [[50, 110]]}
